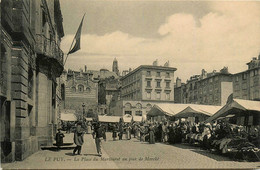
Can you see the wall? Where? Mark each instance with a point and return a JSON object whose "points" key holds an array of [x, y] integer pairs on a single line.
{"points": [[226, 90]]}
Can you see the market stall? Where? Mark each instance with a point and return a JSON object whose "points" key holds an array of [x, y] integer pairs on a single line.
{"points": [[108, 119], [197, 113], [160, 112], [137, 118]]}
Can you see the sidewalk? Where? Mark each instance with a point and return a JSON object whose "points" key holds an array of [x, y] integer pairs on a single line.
{"points": [[64, 159]]}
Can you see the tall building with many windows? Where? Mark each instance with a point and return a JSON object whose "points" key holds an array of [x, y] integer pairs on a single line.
{"points": [[30, 66], [246, 84], [208, 88], [144, 86]]}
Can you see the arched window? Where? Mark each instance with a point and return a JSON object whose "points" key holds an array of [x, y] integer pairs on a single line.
{"points": [[128, 106], [88, 89], [138, 111], [148, 107], [80, 88], [138, 106], [128, 110]]}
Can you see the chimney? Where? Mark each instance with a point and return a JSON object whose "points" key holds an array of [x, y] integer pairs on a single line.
{"points": [[178, 82], [85, 68]]}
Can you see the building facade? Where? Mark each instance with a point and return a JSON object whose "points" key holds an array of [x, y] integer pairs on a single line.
{"points": [[246, 84], [143, 87], [149, 83], [31, 63], [208, 88], [81, 92]]}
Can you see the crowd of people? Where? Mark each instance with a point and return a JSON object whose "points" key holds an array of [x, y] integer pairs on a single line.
{"points": [[209, 136]]}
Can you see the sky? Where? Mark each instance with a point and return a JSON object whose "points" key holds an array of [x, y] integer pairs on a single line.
{"points": [[191, 35]]}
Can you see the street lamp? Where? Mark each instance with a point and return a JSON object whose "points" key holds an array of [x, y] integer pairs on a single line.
{"points": [[83, 106]]}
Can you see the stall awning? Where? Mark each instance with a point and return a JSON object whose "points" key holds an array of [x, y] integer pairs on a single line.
{"points": [[166, 109], [127, 118], [68, 117], [109, 119], [236, 106], [195, 110], [89, 118], [137, 118]]}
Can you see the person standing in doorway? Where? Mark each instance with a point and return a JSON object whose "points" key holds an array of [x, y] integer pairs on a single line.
{"points": [[78, 139]]}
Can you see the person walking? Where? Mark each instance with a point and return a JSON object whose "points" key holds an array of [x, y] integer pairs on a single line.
{"points": [[151, 135], [128, 132], [78, 139], [121, 131], [59, 139], [98, 134], [114, 135]]}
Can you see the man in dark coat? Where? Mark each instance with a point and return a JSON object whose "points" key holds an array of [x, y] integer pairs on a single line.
{"points": [[99, 133], [78, 139], [59, 139]]}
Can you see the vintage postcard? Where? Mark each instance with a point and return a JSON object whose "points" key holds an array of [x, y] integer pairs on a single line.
{"points": [[130, 84]]}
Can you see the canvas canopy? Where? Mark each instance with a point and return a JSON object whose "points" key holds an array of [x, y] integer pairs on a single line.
{"points": [[127, 118], [137, 118], [166, 109], [237, 106], [197, 110], [109, 119], [89, 119], [68, 117]]}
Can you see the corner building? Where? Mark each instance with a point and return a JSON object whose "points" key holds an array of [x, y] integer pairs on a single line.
{"points": [[31, 63], [208, 88], [246, 84], [143, 87]]}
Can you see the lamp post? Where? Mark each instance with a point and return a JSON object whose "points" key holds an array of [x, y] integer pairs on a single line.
{"points": [[83, 112]]}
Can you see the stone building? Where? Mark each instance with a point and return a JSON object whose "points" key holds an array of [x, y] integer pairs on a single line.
{"points": [[208, 88], [142, 87], [108, 90], [31, 63], [246, 84], [80, 87]]}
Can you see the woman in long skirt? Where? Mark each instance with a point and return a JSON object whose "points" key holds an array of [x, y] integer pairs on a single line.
{"points": [[151, 135], [114, 135]]}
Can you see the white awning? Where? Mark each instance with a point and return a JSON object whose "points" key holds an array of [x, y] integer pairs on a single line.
{"points": [[236, 106], [168, 109], [137, 118], [127, 118], [193, 110], [68, 117], [109, 119], [89, 119]]}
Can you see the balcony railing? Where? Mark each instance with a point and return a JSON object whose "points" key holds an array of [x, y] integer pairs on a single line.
{"points": [[49, 48]]}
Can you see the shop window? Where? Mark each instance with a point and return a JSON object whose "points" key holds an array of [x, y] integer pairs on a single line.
{"points": [[138, 113], [128, 112]]}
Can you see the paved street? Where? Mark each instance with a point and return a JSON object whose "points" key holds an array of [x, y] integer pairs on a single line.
{"points": [[128, 154]]}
